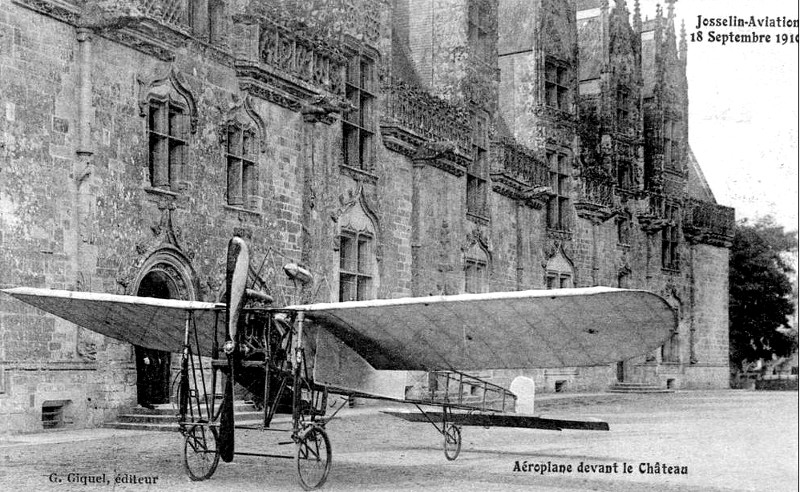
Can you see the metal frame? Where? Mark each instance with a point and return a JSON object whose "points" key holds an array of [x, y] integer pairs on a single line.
{"points": [[272, 339], [197, 407]]}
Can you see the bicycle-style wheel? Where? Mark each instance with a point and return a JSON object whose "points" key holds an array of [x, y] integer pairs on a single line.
{"points": [[313, 458], [452, 441], [200, 452]]}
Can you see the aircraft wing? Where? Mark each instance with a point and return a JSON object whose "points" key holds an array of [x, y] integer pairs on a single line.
{"points": [[145, 321], [505, 330]]}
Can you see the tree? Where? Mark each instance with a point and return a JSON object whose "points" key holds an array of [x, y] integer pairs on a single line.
{"points": [[760, 292]]}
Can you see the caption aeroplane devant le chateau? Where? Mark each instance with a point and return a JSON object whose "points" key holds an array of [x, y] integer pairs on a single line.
{"points": [[643, 468]]}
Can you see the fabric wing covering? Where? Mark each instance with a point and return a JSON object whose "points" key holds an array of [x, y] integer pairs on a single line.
{"points": [[506, 330], [538, 328], [144, 321]]}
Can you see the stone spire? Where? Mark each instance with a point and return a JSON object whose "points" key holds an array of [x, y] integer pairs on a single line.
{"points": [[637, 17], [621, 6], [671, 21], [671, 9], [683, 47]]}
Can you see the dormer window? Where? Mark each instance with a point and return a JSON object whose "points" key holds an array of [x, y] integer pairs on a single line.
{"points": [[170, 116], [625, 175], [240, 156], [357, 126], [558, 205], [556, 85], [355, 265], [167, 132]]}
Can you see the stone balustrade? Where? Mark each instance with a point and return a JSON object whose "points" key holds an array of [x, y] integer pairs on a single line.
{"points": [[520, 163], [708, 222], [426, 116]]}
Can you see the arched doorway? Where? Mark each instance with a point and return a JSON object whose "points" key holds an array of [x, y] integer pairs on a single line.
{"points": [[153, 366]]}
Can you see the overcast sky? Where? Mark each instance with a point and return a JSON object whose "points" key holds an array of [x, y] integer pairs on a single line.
{"points": [[743, 101]]}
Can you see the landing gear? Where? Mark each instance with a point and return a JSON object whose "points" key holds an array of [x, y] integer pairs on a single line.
{"points": [[452, 441], [313, 457], [200, 452]]}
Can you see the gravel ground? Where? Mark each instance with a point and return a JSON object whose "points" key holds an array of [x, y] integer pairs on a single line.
{"points": [[726, 440]]}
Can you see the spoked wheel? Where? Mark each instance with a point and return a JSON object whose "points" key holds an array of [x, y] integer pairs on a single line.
{"points": [[313, 458], [200, 452], [452, 441]]}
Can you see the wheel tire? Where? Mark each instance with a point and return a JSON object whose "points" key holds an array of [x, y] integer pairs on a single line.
{"points": [[452, 441], [313, 458], [200, 452]]}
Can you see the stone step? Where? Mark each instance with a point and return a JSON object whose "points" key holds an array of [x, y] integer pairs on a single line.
{"points": [[173, 427], [164, 417], [646, 390], [172, 409], [625, 387], [159, 419]]}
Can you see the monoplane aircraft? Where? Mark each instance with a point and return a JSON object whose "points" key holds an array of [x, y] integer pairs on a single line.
{"points": [[304, 353]]}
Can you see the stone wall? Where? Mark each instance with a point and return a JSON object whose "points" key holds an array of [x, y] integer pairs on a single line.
{"points": [[78, 210], [710, 317]]}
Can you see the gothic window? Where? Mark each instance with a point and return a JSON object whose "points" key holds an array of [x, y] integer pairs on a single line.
{"points": [[558, 281], [623, 106], [480, 29], [355, 275], [240, 155], [474, 275], [358, 277], [357, 127], [656, 205], [167, 131], [671, 153], [624, 175], [476, 269], [669, 238], [477, 171], [559, 272], [623, 280], [558, 205], [556, 86]]}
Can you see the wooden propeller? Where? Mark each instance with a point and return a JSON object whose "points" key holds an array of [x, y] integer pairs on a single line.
{"points": [[235, 282]]}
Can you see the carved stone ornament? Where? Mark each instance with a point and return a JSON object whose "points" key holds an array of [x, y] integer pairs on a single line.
{"points": [[443, 155], [356, 214], [651, 223], [163, 247], [559, 262], [242, 114], [477, 238], [556, 247], [168, 80], [60, 10], [322, 108]]}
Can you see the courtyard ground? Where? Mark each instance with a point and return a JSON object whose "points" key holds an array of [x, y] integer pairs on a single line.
{"points": [[723, 440]]}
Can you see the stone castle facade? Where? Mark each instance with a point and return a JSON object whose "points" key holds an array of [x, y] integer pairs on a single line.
{"points": [[396, 148]]}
